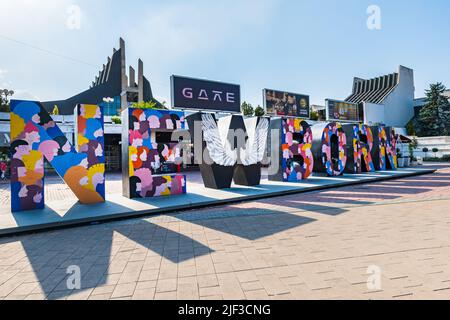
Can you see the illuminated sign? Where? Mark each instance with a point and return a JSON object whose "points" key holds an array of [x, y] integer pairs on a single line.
{"points": [[188, 93]]}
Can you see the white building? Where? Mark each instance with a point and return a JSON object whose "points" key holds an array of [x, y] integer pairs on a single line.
{"points": [[387, 99]]}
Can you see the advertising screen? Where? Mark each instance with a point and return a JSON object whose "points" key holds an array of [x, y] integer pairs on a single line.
{"points": [[342, 111], [281, 103]]}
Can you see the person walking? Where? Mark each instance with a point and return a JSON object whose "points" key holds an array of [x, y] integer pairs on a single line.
{"points": [[3, 168]]}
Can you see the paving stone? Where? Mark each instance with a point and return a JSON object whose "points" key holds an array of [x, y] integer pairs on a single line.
{"points": [[318, 245]]}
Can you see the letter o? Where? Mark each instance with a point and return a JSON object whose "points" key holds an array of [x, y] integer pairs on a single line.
{"points": [[329, 148]]}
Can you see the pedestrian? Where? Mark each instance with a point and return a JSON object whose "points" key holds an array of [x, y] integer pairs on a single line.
{"points": [[3, 168]]}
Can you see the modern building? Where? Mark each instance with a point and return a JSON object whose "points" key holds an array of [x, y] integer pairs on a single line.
{"points": [[387, 99], [111, 82]]}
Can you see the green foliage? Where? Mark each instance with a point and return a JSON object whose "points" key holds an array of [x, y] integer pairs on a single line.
{"points": [[434, 118], [116, 120], [410, 130], [260, 112], [4, 108], [412, 146], [55, 111], [247, 109], [435, 150], [314, 115], [147, 105], [4, 103]]}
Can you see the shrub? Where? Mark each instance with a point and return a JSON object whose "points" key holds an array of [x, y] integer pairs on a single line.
{"points": [[116, 120], [247, 109], [435, 150], [259, 111]]}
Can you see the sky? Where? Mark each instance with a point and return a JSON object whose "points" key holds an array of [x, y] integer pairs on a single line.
{"points": [[53, 49]]}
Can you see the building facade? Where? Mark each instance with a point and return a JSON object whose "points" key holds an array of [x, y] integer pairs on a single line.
{"points": [[388, 99], [112, 82]]}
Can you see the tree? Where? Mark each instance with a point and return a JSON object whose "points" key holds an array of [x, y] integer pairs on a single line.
{"points": [[247, 109], [434, 118], [314, 115], [425, 150], [410, 128], [435, 151], [412, 146], [4, 101], [260, 112]]}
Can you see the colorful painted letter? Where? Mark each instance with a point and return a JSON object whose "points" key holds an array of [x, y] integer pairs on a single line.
{"points": [[34, 135], [330, 151], [152, 158], [298, 160], [384, 152], [359, 157]]}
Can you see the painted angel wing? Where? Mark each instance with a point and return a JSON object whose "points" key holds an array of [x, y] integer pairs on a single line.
{"points": [[256, 143], [216, 147]]}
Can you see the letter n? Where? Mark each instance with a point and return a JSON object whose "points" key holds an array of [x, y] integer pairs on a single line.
{"points": [[151, 158], [384, 152], [35, 136]]}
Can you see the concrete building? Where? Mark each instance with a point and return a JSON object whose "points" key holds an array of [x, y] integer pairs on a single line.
{"points": [[388, 99], [111, 82]]}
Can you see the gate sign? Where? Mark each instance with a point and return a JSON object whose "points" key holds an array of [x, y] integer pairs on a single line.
{"points": [[188, 93]]}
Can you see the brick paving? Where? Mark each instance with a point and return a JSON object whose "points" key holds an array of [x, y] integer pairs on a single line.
{"points": [[318, 245]]}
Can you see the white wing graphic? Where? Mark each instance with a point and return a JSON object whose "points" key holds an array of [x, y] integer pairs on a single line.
{"points": [[218, 151], [257, 141]]}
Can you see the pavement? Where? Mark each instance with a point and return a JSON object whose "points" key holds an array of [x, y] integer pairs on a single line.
{"points": [[63, 209], [383, 240]]}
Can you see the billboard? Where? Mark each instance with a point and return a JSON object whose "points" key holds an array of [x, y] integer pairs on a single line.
{"points": [[342, 111], [189, 93], [281, 103]]}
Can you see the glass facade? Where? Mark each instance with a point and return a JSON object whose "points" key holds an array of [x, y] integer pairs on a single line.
{"points": [[111, 108]]}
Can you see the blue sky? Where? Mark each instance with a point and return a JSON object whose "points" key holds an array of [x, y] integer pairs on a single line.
{"points": [[310, 47]]}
